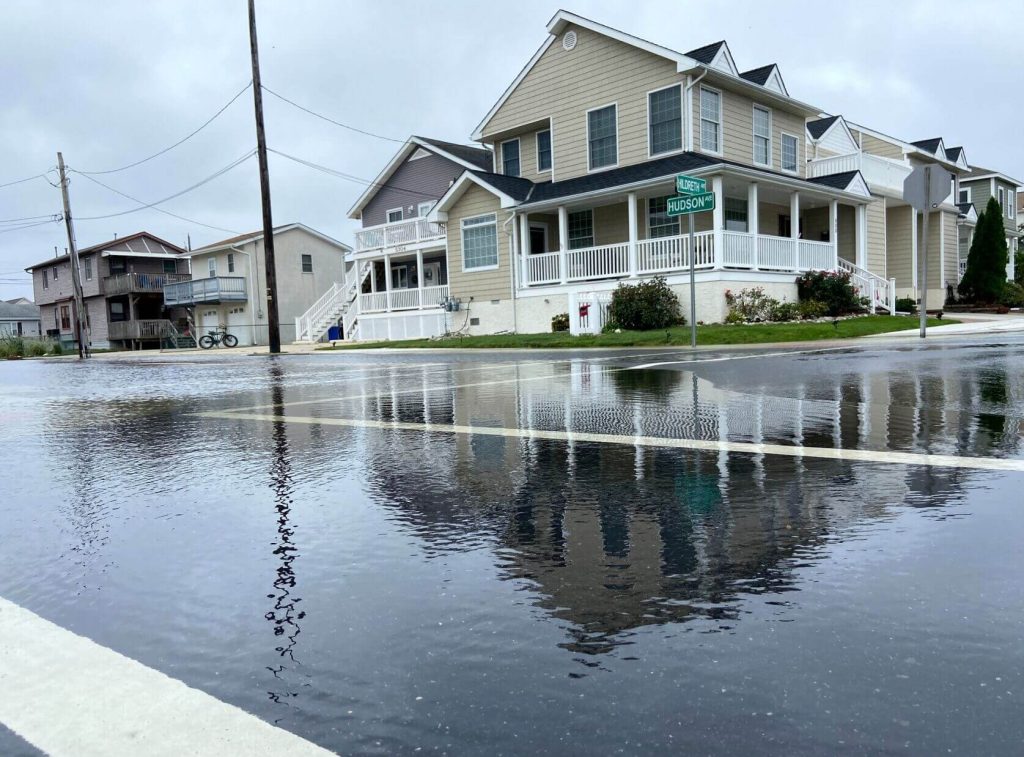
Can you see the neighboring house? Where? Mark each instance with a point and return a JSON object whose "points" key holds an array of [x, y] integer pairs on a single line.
{"points": [[229, 284], [19, 317], [122, 286], [975, 189]]}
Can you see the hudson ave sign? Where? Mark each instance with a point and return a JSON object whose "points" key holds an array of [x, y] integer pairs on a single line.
{"points": [[680, 206]]}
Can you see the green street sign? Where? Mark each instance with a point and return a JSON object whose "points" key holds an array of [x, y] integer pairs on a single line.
{"points": [[690, 185], [681, 206]]}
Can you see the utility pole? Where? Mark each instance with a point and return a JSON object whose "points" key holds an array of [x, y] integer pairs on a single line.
{"points": [[81, 320], [268, 224]]}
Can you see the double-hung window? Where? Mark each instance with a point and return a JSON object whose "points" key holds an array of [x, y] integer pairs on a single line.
{"points": [[790, 148], [544, 150], [710, 120], [665, 119], [87, 266], [735, 214], [55, 268], [480, 242], [659, 223], [762, 136], [211, 266], [602, 140], [307, 263], [510, 157], [1013, 203], [231, 262], [46, 279], [581, 229], [1002, 201]]}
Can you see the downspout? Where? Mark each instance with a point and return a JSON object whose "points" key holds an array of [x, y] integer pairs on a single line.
{"points": [[513, 265], [689, 103]]}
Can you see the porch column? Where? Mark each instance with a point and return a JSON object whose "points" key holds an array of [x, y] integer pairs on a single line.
{"points": [[862, 236], [373, 276], [524, 246], [563, 241], [833, 230], [718, 220], [388, 284], [752, 218], [419, 276], [631, 199], [794, 216]]}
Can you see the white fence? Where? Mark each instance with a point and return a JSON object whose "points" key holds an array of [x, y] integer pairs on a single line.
{"points": [[588, 312], [403, 299], [399, 233]]}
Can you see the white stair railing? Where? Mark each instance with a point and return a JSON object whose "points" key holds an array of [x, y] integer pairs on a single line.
{"points": [[334, 304], [879, 291]]}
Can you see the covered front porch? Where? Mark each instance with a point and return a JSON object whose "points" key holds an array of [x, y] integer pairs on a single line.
{"points": [[414, 281]]}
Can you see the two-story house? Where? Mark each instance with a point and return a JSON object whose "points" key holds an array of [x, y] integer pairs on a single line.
{"points": [[122, 286], [228, 287], [975, 189], [587, 142]]}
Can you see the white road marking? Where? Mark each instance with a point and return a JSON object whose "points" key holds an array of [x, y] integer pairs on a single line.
{"points": [[734, 357], [67, 695], [890, 457]]}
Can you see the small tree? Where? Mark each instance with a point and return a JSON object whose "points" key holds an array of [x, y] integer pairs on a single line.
{"points": [[986, 262]]}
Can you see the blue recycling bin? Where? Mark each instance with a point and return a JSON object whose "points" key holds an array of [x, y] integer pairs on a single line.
{"points": [[334, 333]]}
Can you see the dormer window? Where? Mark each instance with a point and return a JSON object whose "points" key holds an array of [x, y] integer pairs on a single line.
{"points": [[510, 157]]}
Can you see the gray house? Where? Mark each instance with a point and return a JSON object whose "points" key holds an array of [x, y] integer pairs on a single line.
{"points": [[19, 317], [975, 190]]}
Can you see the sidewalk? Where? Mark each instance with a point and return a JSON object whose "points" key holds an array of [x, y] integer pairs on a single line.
{"points": [[970, 324]]}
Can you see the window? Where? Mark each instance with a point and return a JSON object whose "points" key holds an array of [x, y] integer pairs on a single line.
{"points": [[601, 138], [581, 229], [665, 120], [544, 150], [735, 214], [394, 215], [171, 267], [710, 120], [118, 266], [117, 312], [87, 266], [424, 208], [1002, 202], [307, 264], [965, 195], [510, 157], [1013, 203], [55, 269], [231, 262], [211, 263], [400, 277], [65, 318], [762, 136], [790, 148], [659, 224], [479, 242], [46, 279]]}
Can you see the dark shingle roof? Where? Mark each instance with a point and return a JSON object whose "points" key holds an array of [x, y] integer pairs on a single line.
{"points": [[929, 145], [965, 207], [515, 187], [759, 75], [819, 127], [953, 153], [835, 180], [707, 53], [478, 156]]}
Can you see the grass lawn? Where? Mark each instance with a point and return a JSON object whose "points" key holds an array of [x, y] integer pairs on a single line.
{"points": [[680, 335]]}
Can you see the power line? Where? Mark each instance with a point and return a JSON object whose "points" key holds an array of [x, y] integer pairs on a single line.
{"points": [[52, 216], [345, 176], [331, 120], [22, 181], [233, 164], [180, 141], [30, 225], [159, 210]]}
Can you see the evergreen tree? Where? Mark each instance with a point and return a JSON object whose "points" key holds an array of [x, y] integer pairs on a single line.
{"points": [[986, 262]]}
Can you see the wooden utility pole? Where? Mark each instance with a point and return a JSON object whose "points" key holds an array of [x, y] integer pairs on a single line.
{"points": [[81, 320], [268, 224]]}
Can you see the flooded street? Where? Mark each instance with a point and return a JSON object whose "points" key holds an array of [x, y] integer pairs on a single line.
{"points": [[814, 551]]}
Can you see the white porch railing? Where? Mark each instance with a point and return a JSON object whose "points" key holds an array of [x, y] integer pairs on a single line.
{"points": [[543, 268], [373, 302], [878, 172], [399, 233], [606, 261], [881, 293], [673, 253], [816, 256], [403, 299]]}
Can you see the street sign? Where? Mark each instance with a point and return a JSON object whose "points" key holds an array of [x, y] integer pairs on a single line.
{"points": [[681, 206], [690, 185], [924, 189]]}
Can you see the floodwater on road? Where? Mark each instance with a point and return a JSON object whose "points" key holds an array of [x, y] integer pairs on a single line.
{"points": [[390, 552]]}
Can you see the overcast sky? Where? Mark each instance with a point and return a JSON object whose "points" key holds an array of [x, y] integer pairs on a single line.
{"points": [[110, 82]]}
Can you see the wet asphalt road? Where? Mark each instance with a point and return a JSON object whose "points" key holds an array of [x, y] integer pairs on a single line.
{"points": [[369, 551]]}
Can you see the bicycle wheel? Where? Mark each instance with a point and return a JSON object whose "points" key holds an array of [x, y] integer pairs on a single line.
{"points": [[206, 341], [230, 340]]}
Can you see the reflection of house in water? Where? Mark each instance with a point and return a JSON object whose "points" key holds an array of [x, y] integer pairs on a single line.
{"points": [[617, 536]]}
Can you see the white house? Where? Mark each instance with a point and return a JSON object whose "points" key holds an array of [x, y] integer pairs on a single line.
{"points": [[19, 317]]}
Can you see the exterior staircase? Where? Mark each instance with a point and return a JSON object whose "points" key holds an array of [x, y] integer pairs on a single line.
{"points": [[881, 293], [172, 339], [339, 303]]}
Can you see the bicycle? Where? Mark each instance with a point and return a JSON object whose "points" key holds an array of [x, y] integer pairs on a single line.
{"points": [[213, 338]]}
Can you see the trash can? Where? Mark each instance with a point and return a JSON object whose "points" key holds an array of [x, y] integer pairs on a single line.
{"points": [[334, 333]]}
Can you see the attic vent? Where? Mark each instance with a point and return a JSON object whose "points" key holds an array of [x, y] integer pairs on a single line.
{"points": [[569, 40]]}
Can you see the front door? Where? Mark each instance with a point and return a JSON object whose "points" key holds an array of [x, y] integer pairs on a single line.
{"points": [[432, 274], [538, 239]]}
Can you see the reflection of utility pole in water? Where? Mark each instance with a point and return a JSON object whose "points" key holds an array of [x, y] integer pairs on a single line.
{"points": [[283, 615]]}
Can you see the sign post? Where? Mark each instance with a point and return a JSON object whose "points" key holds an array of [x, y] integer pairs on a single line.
{"points": [[924, 189], [693, 198]]}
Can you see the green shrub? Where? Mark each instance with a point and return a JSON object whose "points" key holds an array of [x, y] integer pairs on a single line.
{"points": [[35, 348], [750, 305], [57, 348], [1013, 295], [811, 309], [12, 346], [906, 305], [560, 322], [644, 306], [986, 261], [784, 311], [831, 288]]}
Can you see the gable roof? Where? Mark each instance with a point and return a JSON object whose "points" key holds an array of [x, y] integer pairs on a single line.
{"points": [[818, 128], [977, 173], [954, 153], [848, 181], [19, 311], [511, 190], [930, 145], [467, 156], [707, 53], [255, 235], [768, 76], [118, 242]]}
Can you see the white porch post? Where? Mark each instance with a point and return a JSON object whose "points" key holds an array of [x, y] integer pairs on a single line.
{"points": [[794, 216], [753, 223], [631, 199], [524, 246], [419, 277], [718, 220], [563, 241], [373, 276], [388, 284], [862, 236], [833, 230]]}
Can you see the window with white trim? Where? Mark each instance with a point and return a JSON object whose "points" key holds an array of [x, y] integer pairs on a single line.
{"points": [[171, 267], [46, 280], [581, 229], [510, 157], [394, 215], [211, 264], [87, 266], [544, 150], [1002, 199], [790, 149], [602, 140], [307, 263], [735, 214], [762, 136], [659, 222], [480, 242], [710, 120], [964, 196], [55, 269], [1013, 203], [424, 208], [231, 262], [665, 120]]}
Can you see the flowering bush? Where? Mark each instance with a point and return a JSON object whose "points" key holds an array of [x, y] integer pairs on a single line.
{"points": [[560, 322], [647, 305], [831, 288], [754, 306]]}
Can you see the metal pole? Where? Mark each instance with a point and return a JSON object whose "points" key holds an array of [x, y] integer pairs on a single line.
{"points": [[693, 289], [273, 324], [923, 262], [81, 321]]}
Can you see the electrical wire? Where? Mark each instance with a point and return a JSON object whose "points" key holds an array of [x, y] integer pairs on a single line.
{"points": [[345, 176], [233, 164], [52, 216], [26, 226], [331, 120], [22, 181], [179, 142], [159, 210]]}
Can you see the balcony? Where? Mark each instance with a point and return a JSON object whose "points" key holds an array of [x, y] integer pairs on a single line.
{"points": [[400, 235], [880, 173], [141, 283], [403, 299], [212, 291]]}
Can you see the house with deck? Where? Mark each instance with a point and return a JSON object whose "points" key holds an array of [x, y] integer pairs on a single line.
{"points": [[122, 285]]}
